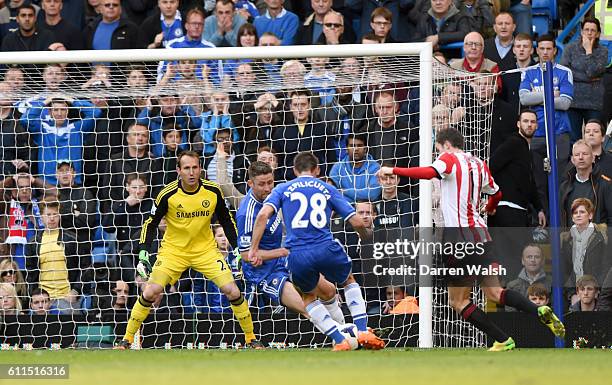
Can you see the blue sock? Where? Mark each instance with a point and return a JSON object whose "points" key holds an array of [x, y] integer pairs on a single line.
{"points": [[356, 305]]}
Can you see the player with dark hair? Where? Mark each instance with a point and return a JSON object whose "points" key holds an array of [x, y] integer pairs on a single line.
{"points": [[188, 205], [464, 178], [307, 203]]}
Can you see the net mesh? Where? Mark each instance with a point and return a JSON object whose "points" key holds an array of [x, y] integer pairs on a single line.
{"points": [[102, 140]]}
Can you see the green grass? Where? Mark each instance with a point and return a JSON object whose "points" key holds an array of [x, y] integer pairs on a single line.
{"points": [[322, 367]]}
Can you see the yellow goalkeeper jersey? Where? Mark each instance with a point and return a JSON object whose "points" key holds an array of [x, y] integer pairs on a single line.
{"points": [[188, 217]]}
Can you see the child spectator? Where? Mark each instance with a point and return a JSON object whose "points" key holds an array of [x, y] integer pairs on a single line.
{"points": [[538, 294], [9, 303], [588, 291], [53, 262]]}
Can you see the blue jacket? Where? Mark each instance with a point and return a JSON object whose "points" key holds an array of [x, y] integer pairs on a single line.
{"points": [[60, 143], [284, 26], [186, 119], [357, 183], [208, 130], [229, 39]]}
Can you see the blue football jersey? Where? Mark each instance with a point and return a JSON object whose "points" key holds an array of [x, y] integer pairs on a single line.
{"points": [[272, 238], [307, 204]]}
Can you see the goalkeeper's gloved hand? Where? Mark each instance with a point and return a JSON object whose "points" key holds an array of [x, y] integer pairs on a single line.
{"points": [[235, 264], [144, 266]]}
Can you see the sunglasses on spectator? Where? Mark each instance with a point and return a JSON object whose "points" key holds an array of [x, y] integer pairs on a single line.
{"points": [[7, 272], [333, 25], [111, 5]]}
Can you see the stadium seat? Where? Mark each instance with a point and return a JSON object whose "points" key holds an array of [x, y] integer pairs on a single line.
{"points": [[543, 15]]}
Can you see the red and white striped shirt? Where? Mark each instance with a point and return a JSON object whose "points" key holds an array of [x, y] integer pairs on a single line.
{"points": [[464, 178]]}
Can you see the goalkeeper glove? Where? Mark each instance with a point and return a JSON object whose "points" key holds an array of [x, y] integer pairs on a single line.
{"points": [[236, 264], [144, 266]]}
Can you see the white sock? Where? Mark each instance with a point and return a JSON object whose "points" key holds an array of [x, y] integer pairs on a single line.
{"points": [[357, 306], [323, 321], [334, 310]]}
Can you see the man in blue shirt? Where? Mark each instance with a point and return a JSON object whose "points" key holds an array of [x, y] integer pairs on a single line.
{"points": [[221, 28], [111, 31], [531, 94], [278, 21], [307, 204]]}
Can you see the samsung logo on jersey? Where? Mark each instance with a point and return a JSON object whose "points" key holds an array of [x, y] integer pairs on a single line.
{"points": [[310, 183], [193, 214], [275, 225]]}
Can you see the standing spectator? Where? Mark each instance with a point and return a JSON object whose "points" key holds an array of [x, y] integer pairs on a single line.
{"points": [[54, 262], [135, 158], [584, 248], [481, 13], [216, 118], [162, 27], [401, 31], [221, 28], [40, 302], [522, 48], [593, 134], [521, 12], [304, 132], [10, 303], [355, 174], [15, 148], [531, 93], [59, 137], [172, 138], [395, 209], [587, 59], [93, 9], [74, 11], [443, 24], [78, 208], [277, 20], [259, 126], [532, 272], [587, 288], [582, 181], [499, 47], [111, 31], [381, 22], [10, 273], [311, 30], [64, 31], [320, 80], [126, 219], [334, 30], [268, 70], [28, 37]]}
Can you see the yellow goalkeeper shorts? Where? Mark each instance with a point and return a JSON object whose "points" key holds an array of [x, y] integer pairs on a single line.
{"points": [[212, 265]]}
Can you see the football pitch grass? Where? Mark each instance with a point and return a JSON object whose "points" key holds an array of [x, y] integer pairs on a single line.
{"points": [[322, 367]]}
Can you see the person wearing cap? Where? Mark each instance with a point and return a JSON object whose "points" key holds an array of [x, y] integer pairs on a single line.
{"points": [[60, 137]]}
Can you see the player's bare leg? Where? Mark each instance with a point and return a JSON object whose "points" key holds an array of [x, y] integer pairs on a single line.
{"points": [[459, 300], [242, 313], [357, 307], [495, 293]]}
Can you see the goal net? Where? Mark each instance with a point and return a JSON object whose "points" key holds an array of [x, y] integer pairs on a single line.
{"points": [[90, 138]]}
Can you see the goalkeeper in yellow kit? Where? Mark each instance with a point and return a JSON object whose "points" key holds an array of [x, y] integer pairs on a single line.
{"points": [[188, 204]]}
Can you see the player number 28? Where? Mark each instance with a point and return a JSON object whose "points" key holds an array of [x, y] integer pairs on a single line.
{"points": [[317, 204]]}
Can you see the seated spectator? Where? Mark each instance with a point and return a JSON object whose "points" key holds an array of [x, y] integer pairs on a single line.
{"points": [[135, 158], [381, 22], [137, 85], [221, 28], [53, 262], [587, 59], [538, 294], [499, 48], [236, 164], [320, 80], [533, 272], [277, 20], [440, 117], [112, 297], [268, 70], [14, 140], [121, 291], [584, 246], [583, 181], [172, 147], [587, 289], [217, 117], [246, 37], [594, 135], [10, 273], [167, 109], [111, 30], [60, 137], [355, 175], [443, 24], [10, 304], [292, 75], [302, 133], [243, 98], [78, 208], [334, 30], [163, 26], [395, 209], [15, 78], [40, 303], [64, 31], [394, 295], [481, 13], [126, 218], [28, 36]]}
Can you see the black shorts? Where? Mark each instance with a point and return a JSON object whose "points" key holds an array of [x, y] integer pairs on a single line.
{"points": [[467, 259]]}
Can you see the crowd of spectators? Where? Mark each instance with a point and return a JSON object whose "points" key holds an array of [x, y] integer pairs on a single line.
{"points": [[80, 173]]}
